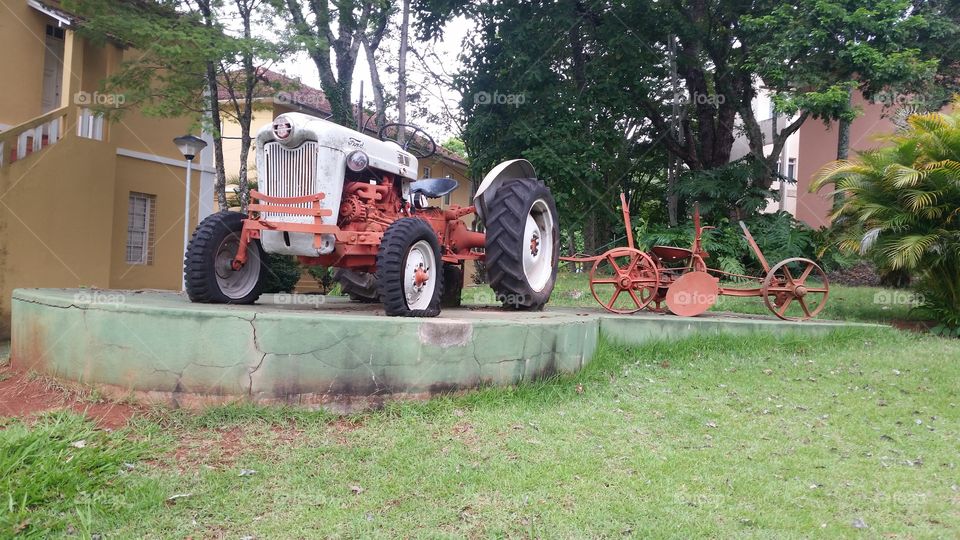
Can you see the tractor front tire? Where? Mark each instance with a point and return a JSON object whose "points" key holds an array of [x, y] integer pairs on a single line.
{"points": [[208, 274], [409, 269], [522, 244]]}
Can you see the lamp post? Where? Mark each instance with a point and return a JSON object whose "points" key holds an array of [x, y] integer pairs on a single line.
{"points": [[189, 146]]}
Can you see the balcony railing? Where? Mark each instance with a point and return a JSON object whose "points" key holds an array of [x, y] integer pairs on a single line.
{"points": [[90, 124], [32, 136], [45, 130]]}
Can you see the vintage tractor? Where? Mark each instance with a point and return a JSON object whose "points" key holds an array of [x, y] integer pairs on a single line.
{"points": [[339, 198]]}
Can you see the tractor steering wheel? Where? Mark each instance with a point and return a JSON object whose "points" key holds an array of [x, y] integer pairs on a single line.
{"points": [[416, 141]]}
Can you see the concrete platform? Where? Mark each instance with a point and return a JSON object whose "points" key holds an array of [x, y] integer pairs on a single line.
{"points": [[313, 350]]}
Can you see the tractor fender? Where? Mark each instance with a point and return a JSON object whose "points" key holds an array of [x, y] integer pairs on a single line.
{"points": [[506, 171]]}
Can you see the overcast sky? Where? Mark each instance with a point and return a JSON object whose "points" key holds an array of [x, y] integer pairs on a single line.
{"points": [[441, 98]]}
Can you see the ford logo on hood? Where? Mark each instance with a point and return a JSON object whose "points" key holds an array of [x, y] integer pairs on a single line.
{"points": [[282, 128]]}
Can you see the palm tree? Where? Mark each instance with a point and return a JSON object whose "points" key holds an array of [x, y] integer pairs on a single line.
{"points": [[902, 203]]}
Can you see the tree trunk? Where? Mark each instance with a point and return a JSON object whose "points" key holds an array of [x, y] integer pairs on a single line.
{"points": [[590, 234], [673, 167], [843, 133], [673, 201], [213, 91], [843, 138], [379, 102], [402, 69], [220, 184], [338, 94], [245, 115], [245, 142], [843, 144]]}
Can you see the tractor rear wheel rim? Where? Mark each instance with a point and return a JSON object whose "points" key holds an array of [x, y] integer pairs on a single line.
{"points": [[538, 245], [419, 261], [236, 283]]}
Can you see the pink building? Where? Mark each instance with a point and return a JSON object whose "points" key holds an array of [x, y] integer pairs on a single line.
{"points": [[817, 146]]}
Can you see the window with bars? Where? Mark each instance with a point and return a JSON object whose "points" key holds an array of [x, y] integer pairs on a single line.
{"points": [[141, 218], [446, 198], [426, 172]]}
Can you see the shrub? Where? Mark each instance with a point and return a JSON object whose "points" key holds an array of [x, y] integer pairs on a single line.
{"points": [[283, 273], [831, 257], [324, 276], [480, 273], [778, 235], [902, 203]]}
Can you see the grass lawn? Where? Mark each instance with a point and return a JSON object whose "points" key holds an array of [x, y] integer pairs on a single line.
{"points": [[855, 433]]}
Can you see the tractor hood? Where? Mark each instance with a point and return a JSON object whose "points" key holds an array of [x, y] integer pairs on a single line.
{"points": [[293, 129]]}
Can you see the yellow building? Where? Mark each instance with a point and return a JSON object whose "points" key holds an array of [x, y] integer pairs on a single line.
{"points": [[90, 203], [83, 202]]}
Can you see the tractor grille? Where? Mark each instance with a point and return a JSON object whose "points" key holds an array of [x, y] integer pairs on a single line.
{"points": [[290, 172]]}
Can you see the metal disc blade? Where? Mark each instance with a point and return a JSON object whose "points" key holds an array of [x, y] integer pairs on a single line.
{"points": [[692, 294]]}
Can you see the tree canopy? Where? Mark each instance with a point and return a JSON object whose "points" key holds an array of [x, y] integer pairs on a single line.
{"points": [[595, 93]]}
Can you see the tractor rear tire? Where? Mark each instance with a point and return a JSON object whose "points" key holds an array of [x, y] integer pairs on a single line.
{"points": [[452, 285], [410, 248], [522, 244], [359, 286], [209, 278]]}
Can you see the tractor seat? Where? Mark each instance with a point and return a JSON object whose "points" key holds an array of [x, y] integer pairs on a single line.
{"points": [[433, 188], [671, 254]]}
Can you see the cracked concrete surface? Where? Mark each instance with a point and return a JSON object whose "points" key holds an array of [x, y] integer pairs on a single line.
{"points": [[159, 347]]}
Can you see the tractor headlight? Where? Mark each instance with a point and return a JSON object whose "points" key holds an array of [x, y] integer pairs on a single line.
{"points": [[357, 160]]}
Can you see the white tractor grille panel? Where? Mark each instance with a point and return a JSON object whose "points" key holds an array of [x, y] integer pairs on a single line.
{"points": [[291, 172]]}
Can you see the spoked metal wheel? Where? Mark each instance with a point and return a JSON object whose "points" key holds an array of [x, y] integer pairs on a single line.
{"points": [[624, 280], [795, 289], [538, 257]]}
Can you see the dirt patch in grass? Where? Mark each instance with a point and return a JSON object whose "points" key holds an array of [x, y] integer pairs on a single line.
{"points": [[24, 394], [341, 428], [863, 274], [215, 448], [223, 448]]}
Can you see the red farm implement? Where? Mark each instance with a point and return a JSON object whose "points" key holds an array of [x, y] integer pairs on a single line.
{"points": [[626, 280]]}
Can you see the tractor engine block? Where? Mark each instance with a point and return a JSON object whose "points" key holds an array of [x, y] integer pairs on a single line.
{"points": [[369, 207]]}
